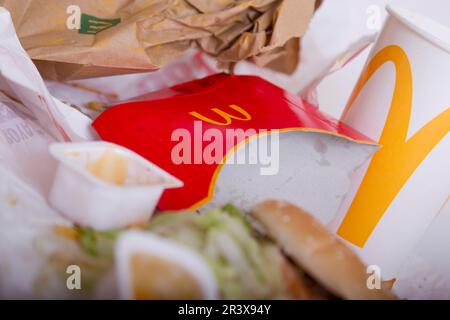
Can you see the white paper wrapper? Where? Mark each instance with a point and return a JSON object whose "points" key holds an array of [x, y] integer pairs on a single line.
{"points": [[24, 216], [191, 65], [30, 118]]}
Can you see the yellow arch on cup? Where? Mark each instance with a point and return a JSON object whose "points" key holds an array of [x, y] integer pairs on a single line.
{"points": [[398, 158]]}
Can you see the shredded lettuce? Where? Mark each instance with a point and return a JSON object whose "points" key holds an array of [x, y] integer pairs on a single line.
{"points": [[246, 266], [98, 243]]}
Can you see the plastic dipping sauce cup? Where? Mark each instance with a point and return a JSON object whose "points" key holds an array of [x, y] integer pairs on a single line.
{"points": [[105, 186]]}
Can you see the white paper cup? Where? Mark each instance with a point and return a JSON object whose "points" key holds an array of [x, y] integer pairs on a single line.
{"points": [[402, 100], [86, 190]]}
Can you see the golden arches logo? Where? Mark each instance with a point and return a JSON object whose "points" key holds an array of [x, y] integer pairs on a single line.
{"points": [[226, 116], [398, 158]]}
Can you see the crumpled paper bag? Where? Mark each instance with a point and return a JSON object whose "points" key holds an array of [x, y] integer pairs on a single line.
{"points": [[73, 39]]}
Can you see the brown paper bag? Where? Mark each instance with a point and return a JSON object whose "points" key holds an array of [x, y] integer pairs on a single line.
{"points": [[74, 39]]}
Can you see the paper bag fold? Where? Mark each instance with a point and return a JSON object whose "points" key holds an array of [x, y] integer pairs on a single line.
{"points": [[73, 39]]}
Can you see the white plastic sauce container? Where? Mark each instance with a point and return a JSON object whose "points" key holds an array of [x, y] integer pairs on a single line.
{"points": [[106, 186]]}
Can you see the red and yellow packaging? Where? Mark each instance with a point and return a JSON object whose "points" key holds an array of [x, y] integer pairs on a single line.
{"points": [[220, 102]]}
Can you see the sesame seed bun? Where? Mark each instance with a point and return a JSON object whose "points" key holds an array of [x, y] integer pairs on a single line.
{"points": [[316, 250]]}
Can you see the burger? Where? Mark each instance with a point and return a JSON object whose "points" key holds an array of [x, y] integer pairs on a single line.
{"points": [[276, 251]]}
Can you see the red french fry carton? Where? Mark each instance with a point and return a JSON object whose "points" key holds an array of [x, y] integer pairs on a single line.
{"points": [[239, 139]]}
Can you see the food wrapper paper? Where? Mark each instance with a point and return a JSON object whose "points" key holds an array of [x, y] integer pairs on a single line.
{"points": [[71, 39], [30, 117]]}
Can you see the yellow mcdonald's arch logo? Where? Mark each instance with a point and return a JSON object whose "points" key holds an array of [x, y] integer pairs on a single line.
{"points": [[398, 158], [227, 117]]}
